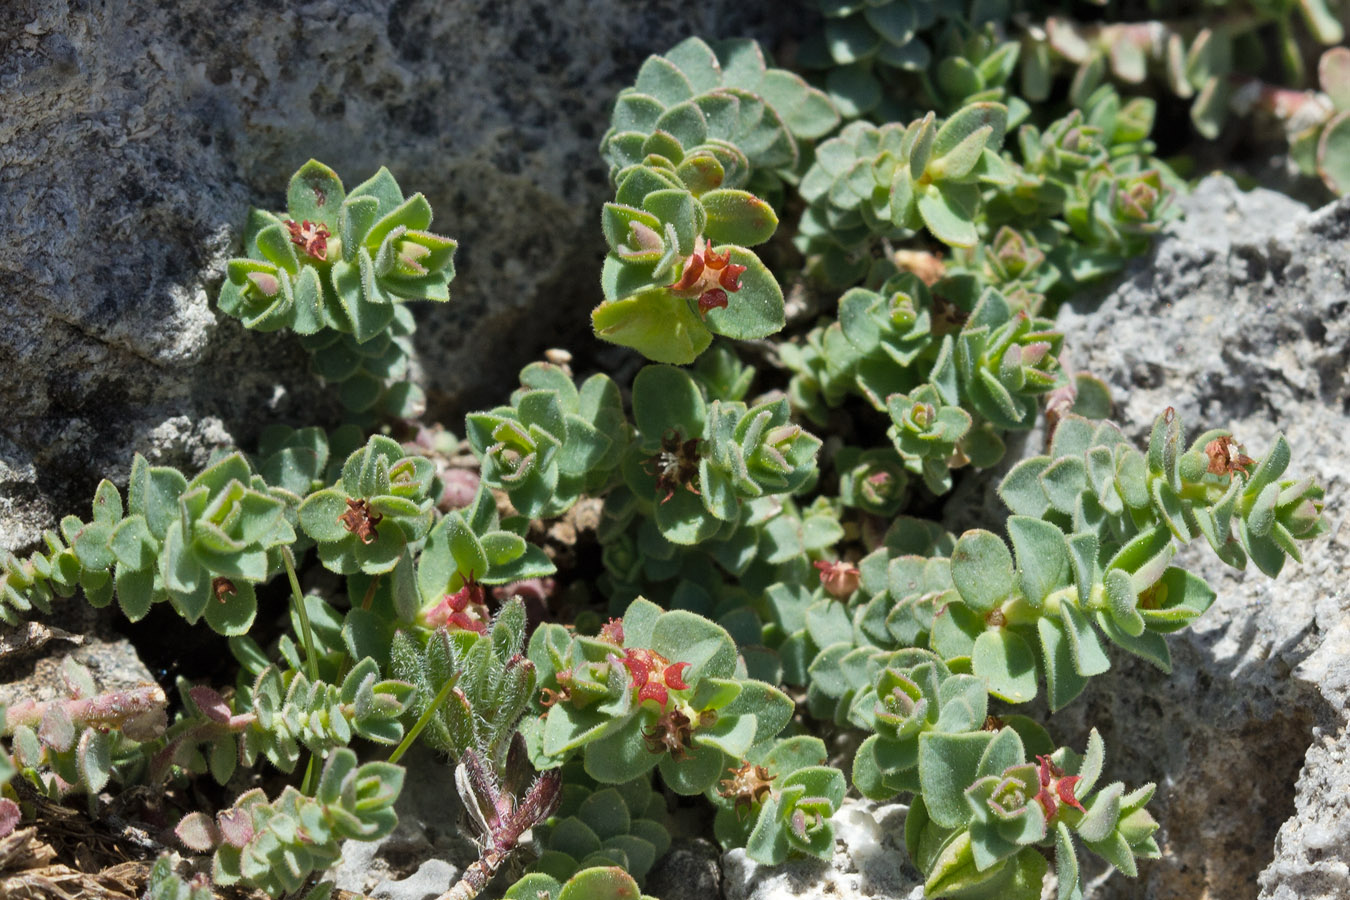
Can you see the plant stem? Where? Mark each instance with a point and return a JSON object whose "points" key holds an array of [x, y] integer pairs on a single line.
{"points": [[311, 657], [370, 592], [306, 635], [421, 723], [476, 877], [309, 784]]}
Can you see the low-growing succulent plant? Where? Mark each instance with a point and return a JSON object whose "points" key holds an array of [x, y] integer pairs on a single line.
{"points": [[203, 545], [275, 845], [467, 586], [554, 442], [337, 260], [779, 800], [599, 825], [985, 808], [652, 689], [702, 129], [381, 503], [695, 464]]}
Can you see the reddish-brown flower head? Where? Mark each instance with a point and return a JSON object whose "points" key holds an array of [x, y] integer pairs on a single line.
{"points": [[223, 587], [464, 610], [708, 277], [1226, 457], [748, 784], [361, 520], [311, 237]]}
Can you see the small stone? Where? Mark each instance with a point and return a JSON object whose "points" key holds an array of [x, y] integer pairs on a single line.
{"points": [[689, 871]]}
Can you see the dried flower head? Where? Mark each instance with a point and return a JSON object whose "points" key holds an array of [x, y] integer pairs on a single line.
{"points": [[223, 587], [1226, 457], [672, 733], [928, 266], [748, 784], [675, 465], [312, 237], [361, 520]]}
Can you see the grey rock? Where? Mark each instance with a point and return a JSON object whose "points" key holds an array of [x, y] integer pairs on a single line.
{"points": [[136, 135], [869, 861], [31, 655], [688, 871], [1238, 319]]}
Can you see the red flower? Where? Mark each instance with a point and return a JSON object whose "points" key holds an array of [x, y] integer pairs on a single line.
{"points": [[312, 237], [708, 277], [1056, 788], [644, 665], [464, 610]]}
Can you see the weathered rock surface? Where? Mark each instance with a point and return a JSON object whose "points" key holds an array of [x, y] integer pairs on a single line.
{"points": [[869, 861], [136, 134], [1238, 320], [690, 870]]}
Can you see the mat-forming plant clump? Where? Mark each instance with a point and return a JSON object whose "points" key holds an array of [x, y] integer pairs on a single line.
{"points": [[941, 179]]}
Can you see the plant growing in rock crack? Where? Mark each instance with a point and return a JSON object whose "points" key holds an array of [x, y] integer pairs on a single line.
{"points": [[591, 603], [337, 268]]}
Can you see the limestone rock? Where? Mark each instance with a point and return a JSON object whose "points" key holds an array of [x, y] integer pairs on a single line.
{"points": [[869, 861], [1237, 320]]}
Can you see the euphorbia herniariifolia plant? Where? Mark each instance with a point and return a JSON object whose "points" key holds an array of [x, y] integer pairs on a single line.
{"points": [[466, 586]]}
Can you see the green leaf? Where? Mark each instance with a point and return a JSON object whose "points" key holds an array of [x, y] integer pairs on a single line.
{"points": [[1063, 681], [656, 323], [233, 613], [682, 636], [1006, 664], [982, 569], [600, 884], [948, 764], [666, 398], [756, 309], [315, 193], [619, 755], [949, 211], [320, 515], [1042, 556], [737, 217]]}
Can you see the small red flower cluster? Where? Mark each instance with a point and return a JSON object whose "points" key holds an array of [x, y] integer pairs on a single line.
{"points": [[1056, 788], [654, 676], [464, 610], [312, 237], [708, 277]]}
